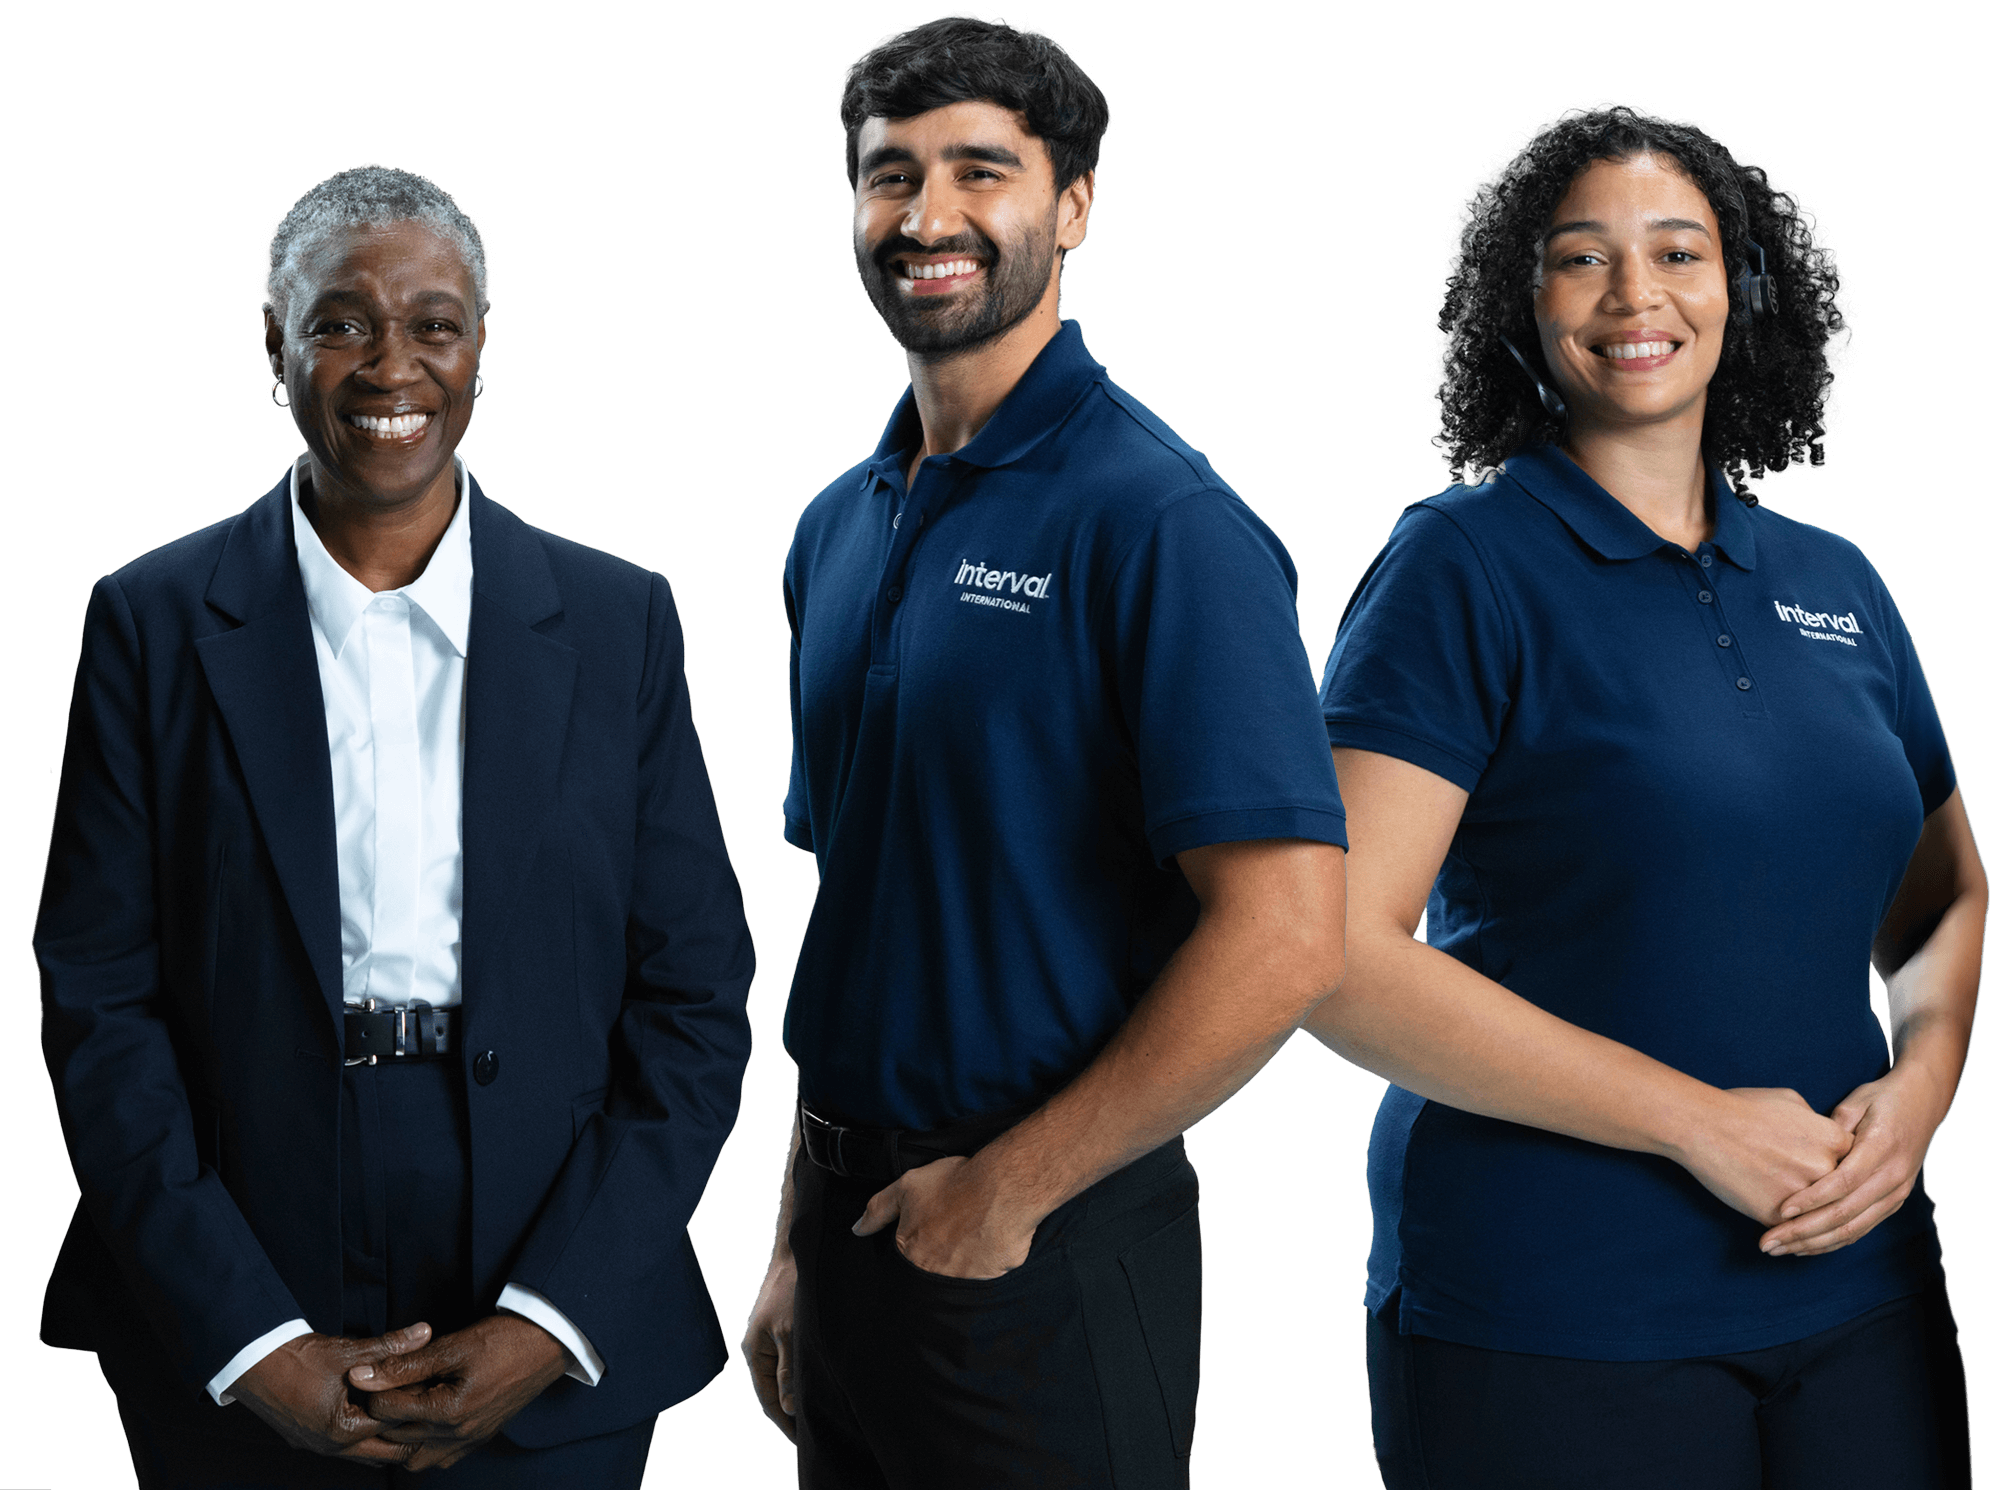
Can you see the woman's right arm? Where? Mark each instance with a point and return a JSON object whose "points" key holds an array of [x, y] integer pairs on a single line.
{"points": [[1433, 1026]]}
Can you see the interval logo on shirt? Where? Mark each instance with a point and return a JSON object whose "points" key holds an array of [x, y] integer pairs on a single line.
{"points": [[1820, 625], [1003, 583]]}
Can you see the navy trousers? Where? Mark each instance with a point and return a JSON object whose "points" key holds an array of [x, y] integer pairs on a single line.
{"points": [[1873, 1403], [406, 1256], [1075, 1371]]}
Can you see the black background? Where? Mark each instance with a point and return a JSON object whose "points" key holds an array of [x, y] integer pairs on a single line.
{"points": [[681, 357]]}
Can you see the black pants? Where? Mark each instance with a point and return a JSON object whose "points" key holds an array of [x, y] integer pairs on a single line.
{"points": [[1877, 1403], [1078, 1368], [406, 1255]]}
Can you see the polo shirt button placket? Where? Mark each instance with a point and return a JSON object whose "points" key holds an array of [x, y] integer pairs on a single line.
{"points": [[1723, 639]]}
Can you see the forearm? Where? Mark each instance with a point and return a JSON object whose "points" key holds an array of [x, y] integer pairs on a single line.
{"points": [[1931, 1002], [1928, 951], [1433, 1026], [1218, 1011], [781, 1244]]}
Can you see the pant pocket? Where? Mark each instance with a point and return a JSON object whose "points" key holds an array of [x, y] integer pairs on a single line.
{"points": [[1164, 1274], [1143, 1311]]}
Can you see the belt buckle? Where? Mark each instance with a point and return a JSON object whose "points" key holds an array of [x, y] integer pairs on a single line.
{"points": [[830, 1133], [367, 1006]]}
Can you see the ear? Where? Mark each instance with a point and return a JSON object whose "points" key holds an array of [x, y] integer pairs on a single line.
{"points": [[480, 346], [274, 343], [1073, 210]]}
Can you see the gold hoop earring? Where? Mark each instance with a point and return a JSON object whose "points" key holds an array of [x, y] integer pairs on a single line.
{"points": [[274, 394]]}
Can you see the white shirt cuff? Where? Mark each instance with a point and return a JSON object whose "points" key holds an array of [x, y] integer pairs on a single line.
{"points": [[220, 1383], [585, 1364]]}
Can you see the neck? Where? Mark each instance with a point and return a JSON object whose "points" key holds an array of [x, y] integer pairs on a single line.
{"points": [[1656, 471], [956, 395], [385, 546]]}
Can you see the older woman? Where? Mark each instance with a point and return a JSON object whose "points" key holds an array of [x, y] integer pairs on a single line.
{"points": [[1663, 768], [393, 967]]}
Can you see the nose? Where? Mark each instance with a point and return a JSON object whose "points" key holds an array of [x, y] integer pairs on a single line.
{"points": [[395, 363], [1633, 286], [933, 214]]}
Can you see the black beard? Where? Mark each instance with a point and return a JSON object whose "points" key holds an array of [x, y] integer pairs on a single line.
{"points": [[942, 327]]}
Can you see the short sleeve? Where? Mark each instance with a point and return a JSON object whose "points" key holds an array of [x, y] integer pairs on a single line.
{"points": [[1917, 723], [1421, 666], [1214, 684]]}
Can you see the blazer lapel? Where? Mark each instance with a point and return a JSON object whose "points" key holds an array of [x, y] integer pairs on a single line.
{"points": [[265, 681], [519, 685]]}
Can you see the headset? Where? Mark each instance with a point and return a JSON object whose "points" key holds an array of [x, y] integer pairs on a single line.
{"points": [[1757, 287]]}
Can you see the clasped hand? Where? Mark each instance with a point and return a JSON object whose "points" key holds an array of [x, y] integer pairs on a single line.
{"points": [[951, 1219], [1819, 1183], [1890, 1123], [403, 1398]]}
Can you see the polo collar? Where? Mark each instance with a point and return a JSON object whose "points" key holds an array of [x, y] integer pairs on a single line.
{"points": [[336, 599], [1062, 372], [1606, 525]]}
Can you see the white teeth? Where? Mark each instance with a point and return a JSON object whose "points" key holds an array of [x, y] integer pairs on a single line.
{"points": [[1627, 351], [946, 270], [394, 426]]}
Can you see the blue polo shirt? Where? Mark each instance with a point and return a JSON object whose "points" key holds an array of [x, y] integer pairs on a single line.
{"points": [[1066, 654], [1696, 780]]}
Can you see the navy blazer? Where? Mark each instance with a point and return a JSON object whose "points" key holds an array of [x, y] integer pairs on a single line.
{"points": [[189, 942]]}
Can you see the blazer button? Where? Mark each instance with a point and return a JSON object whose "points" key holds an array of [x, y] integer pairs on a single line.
{"points": [[485, 1068]]}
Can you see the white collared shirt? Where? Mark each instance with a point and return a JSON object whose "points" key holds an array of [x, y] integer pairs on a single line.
{"points": [[392, 672], [392, 675]]}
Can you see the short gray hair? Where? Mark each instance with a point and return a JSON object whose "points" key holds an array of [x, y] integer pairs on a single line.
{"points": [[368, 196]]}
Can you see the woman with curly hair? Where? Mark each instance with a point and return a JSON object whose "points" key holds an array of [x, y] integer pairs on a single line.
{"points": [[1662, 769]]}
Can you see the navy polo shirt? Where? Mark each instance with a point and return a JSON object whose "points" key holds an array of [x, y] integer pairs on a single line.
{"points": [[1066, 654], [1696, 780]]}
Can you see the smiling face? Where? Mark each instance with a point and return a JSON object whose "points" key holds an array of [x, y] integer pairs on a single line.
{"points": [[379, 359], [1633, 300], [957, 224]]}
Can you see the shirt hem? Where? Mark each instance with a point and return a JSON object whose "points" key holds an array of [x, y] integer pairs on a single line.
{"points": [[1418, 1320], [1241, 825], [798, 834], [1386, 740]]}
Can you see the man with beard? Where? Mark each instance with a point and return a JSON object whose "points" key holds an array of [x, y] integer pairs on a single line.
{"points": [[1058, 752]]}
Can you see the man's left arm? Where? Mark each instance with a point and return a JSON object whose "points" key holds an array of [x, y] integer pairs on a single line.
{"points": [[1266, 949], [603, 1241]]}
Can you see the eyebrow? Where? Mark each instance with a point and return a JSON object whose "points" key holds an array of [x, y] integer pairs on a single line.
{"points": [[1658, 225], [354, 297], [993, 155]]}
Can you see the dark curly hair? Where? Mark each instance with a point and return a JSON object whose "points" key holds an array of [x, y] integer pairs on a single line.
{"points": [[1769, 391], [960, 60]]}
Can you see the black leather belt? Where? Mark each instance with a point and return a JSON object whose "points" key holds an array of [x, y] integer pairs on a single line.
{"points": [[411, 1032], [886, 1154]]}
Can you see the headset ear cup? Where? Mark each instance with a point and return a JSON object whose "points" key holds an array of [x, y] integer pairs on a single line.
{"points": [[1757, 287]]}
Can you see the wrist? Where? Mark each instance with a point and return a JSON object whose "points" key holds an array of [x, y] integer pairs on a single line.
{"points": [[1014, 1189], [1926, 1085], [1688, 1123]]}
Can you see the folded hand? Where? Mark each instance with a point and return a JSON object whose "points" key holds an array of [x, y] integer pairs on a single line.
{"points": [[440, 1403], [300, 1389], [1892, 1121], [1761, 1146]]}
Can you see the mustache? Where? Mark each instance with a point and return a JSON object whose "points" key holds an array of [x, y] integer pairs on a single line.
{"points": [[971, 244]]}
